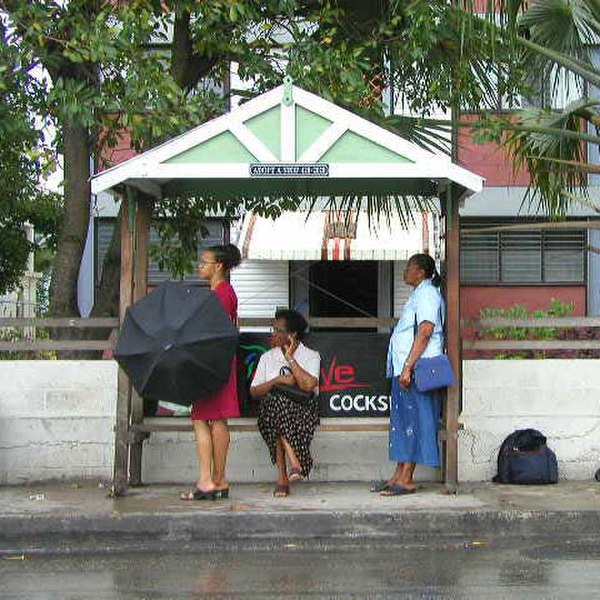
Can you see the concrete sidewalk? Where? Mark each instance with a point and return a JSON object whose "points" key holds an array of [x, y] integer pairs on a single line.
{"points": [[72, 517]]}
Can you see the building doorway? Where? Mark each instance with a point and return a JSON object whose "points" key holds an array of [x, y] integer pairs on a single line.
{"points": [[343, 289]]}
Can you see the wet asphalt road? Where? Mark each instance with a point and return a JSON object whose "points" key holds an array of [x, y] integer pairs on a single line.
{"points": [[459, 569]]}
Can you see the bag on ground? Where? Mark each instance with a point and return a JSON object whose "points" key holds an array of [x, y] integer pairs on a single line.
{"points": [[525, 458]]}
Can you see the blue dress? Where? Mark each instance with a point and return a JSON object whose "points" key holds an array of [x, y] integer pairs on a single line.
{"points": [[414, 415]]}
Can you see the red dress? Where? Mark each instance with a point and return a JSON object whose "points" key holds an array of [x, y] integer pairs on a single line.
{"points": [[224, 403]]}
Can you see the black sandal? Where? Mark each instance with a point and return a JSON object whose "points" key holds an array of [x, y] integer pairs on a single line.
{"points": [[198, 494]]}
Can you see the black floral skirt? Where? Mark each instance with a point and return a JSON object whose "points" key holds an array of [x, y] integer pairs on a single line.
{"points": [[278, 416]]}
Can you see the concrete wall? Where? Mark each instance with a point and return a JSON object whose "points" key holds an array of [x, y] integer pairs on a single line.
{"points": [[56, 420], [561, 398], [339, 456]]}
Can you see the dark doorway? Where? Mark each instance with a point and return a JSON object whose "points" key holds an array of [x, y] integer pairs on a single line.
{"points": [[343, 289]]}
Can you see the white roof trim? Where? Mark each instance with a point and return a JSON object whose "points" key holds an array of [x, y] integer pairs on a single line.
{"points": [[151, 164]]}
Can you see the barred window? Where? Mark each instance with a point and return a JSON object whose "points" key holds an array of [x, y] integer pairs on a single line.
{"points": [[521, 257]]}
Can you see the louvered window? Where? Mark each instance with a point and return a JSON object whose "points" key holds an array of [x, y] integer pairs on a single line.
{"points": [[218, 233], [521, 257]]}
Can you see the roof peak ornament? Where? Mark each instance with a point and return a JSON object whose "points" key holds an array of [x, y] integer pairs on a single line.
{"points": [[288, 98]]}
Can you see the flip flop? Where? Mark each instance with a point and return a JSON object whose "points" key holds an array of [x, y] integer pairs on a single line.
{"points": [[396, 490], [378, 485], [282, 490], [295, 474], [198, 494]]}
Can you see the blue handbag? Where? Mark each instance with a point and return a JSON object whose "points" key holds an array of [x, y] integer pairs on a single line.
{"points": [[433, 373]]}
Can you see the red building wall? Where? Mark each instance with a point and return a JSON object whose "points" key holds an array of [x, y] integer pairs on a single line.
{"points": [[474, 298], [117, 154], [487, 160]]}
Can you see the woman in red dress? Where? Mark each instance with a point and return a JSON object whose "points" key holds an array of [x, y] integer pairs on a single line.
{"points": [[210, 414]]}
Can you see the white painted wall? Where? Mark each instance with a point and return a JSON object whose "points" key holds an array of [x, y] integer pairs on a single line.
{"points": [[57, 422], [561, 398]]}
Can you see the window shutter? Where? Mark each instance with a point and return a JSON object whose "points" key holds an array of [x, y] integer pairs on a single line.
{"points": [[564, 256], [479, 256], [521, 256]]}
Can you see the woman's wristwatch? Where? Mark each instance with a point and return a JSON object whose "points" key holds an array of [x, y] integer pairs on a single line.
{"points": [[291, 361]]}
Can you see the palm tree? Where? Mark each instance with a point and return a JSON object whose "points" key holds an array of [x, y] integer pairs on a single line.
{"points": [[556, 39]]}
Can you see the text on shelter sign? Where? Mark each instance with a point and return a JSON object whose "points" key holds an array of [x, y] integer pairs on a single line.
{"points": [[289, 170]]}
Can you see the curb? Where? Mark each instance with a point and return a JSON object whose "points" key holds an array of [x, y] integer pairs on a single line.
{"points": [[143, 531]]}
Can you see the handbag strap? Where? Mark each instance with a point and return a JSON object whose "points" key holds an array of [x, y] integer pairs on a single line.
{"points": [[416, 326]]}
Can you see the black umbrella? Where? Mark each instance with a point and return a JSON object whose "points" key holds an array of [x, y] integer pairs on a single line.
{"points": [[177, 344]]}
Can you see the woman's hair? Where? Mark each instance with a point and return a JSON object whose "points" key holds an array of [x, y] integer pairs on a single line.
{"points": [[294, 321], [228, 255], [425, 262]]}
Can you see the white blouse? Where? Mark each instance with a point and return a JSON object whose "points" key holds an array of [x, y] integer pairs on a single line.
{"points": [[272, 362]]}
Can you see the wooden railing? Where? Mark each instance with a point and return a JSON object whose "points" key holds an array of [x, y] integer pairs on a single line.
{"points": [[30, 343], [476, 326]]}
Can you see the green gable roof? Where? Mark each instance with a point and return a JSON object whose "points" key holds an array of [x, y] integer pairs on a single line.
{"points": [[222, 148], [353, 148]]}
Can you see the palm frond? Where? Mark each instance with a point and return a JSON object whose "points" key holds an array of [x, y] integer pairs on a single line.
{"points": [[384, 208], [429, 134], [549, 158]]}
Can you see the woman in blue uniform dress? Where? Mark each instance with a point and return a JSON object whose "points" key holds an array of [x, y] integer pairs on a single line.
{"points": [[414, 415]]}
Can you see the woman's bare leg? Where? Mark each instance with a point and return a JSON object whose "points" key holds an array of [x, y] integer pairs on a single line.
{"points": [[282, 475], [397, 475], [220, 446], [406, 476], [291, 455], [204, 451]]}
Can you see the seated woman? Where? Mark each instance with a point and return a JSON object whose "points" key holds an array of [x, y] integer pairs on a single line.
{"points": [[287, 421]]}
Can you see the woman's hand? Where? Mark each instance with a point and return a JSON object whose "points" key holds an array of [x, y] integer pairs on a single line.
{"points": [[405, 377], [286, 379], [290, 348]]}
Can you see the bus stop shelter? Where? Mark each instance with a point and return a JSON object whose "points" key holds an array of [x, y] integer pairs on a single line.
{"points": [[285, 143]]}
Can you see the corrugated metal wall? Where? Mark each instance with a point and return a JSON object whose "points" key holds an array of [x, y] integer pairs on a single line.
{"points": [[401, 290], [261, 287]]}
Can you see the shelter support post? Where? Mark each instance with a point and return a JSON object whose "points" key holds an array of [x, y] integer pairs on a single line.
{"points": [[121, 458], [450, 208], [143, 218]]}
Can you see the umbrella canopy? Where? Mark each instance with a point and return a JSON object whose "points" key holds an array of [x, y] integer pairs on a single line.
{"points": [[177, 344]]}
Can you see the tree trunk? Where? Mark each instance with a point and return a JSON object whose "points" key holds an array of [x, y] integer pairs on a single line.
{"points": [[63, 289]]}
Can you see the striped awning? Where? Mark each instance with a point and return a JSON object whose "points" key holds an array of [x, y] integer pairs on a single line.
{"points": [[334, 235]]}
